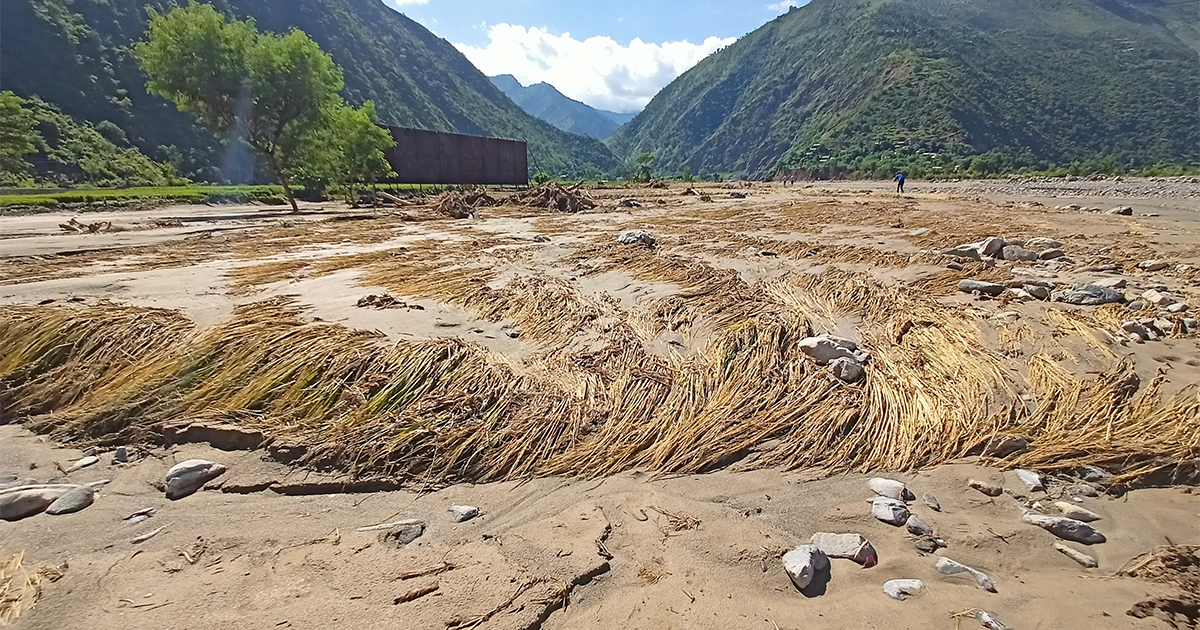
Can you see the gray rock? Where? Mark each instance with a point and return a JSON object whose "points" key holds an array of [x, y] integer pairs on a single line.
{"points": [[1075, 512], [926, 545], [1112, 283], [90, 460], [1090, 295], [17, 483], [988, 620], [1065, 528], [1040, 243], [1082, 490], [1001, 446], [803, 563], [847, 370], [73, 501], [1092, 473], [1041, 293], [989, 489], [956, 266], [1033, 481], [1191, 324], [889, 511], [849, 546], [1018, 253], [946, 566], [973, 286], [121, 455], [1077, 556], [23, 502], [629, 202], [1124, 211], [1137, 305], [633, 237], [541, 238], [1178, 307], [1154, 265], [889, 488], [185, 478], [825, 349], [991, 246], [932, 502], [917, 527], [1159, 299], [403, 533], [903, 589], [969, 252], [464, 513], [1141, 331], [1051, 254]]}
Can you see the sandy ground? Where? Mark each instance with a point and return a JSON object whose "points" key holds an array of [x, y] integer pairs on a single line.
{"points": [[268, 546]]}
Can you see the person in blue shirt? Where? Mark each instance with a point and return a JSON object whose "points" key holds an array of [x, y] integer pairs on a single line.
{"points": [[899, 179]]}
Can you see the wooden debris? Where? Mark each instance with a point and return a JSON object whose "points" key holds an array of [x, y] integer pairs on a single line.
{"points": [[553, 196]]}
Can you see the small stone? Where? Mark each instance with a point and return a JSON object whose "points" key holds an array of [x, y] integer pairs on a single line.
{"points": [[803, 563], [185, 478], [1016, 252], [991, 246], [1051, 254], [1137, 305], [73, 501], [849, 546], [1033, 481], [90, 460], [1041, 293], [946, 566], [633, 237], [629, 202], [926, 545], [956, 266], [1191, 324], [969, 252], [541, 238], [121, 455], [1112, 283], [903, 589], [826, 348], [932, 502], [989, 621], [1077, 556], [1154, 265], [1082, 490], [1038, 244], [464, 513], [1178, 307], [1011, 316], [1158, 299], [989, 489], [512, 334], [1092, 473], [1139, 330], [889, 511], [847, 370], [1065, 528], [889, 488], [1074, 512], [917, 527], [1090, 295], [767, 254], [976, 286], [1001, 446], [919, 232], [404, 533], [1123, 211]]}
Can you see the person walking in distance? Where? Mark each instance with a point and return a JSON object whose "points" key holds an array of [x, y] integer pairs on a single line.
{"points": [[899, 179]]}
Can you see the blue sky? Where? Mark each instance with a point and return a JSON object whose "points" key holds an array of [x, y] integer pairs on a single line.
{"points": [[613, 55]]}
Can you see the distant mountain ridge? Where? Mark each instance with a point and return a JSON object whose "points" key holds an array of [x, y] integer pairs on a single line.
{"points": [[74, 54], [545, 102], [866, 86]]}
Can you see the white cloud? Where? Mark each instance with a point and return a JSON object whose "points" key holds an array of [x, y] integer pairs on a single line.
{"points": [[598, 70], [400, 3], [785, 6]]}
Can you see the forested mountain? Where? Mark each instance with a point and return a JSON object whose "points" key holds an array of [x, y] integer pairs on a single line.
{"points": [[867, 86], [546, 102], [75, 54]]}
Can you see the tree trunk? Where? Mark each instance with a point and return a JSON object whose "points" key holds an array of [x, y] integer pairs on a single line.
{"points": [[287, 189]]}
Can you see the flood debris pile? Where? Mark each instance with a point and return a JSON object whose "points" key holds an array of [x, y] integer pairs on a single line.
{"points": [[555, 196], [460, 205]]}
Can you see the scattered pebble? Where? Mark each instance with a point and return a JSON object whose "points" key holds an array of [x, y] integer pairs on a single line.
{"points": [[927, 545], [1041, 243], [1077, 556], [803, 563], [1123, 211], [464, 513], [976, 286], [1066, 528], [121, 455], [1154, 265], [889, 511], [847, 370], [903, 589], [946, 566], [991, 490]]}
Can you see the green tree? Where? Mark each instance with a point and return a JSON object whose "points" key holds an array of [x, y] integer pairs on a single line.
{"points": [[266, 90], [18, 138], [541, 177], [643, 160], [347, 149], [687, 175]]}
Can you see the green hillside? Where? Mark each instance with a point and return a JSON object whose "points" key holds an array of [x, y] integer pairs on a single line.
{"points": [[75, 55], [865, 86], [547, 103]]}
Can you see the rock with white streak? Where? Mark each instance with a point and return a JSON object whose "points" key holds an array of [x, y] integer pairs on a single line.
{"points": [[185, 478], [73, 501], [849, 546], [988, 620], [917, 527], [946, 566], [1065, 528], [890, 488], [932, 502], [1077, 556], [1033, 481], [90, 460], [463, 513], [803, 563], [1076, 513], [903, 589], [889, 511]]}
